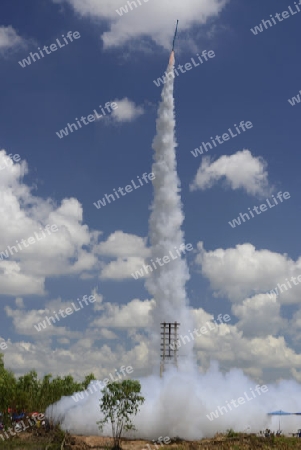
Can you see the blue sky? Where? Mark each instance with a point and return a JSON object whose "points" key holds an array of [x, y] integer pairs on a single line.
{"points": [[117, 58]]}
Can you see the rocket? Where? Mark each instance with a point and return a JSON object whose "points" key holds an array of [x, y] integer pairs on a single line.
{"points": [[172, 55], [174, 39]]}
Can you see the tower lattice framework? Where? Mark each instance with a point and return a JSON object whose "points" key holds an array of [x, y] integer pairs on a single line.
{"points": [[169, 345]]}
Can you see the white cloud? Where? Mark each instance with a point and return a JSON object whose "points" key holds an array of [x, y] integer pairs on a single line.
{"points": [[64, 341], [19, 302], [127, 111], [244, 271], [121, 268], [24, 322], [259, 316], [9, 39], [135, 314], [67, 251], [97, 305], [130, 252], [83, 356], [72, 250], [239, 345], [120, 244], [294, 327], [241, 171], [231, 348], [107, 334], [230, 344], [14, 282], [154, 19]]}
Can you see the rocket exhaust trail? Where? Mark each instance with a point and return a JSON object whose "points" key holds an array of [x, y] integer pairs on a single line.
{"points": [[167, 282], [172, 55], [171, 59]]}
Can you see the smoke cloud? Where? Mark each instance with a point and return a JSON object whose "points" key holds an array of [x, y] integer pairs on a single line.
{"points": [[167, 283], [178, 405]]}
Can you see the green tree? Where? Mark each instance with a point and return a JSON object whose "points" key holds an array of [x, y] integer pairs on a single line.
{"points": [[7, 391], [119, 402], [29, 393], [87, 380]]}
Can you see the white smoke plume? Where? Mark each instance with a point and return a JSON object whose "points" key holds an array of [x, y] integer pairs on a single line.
{"points": [[183, 403], [179, 405], [167, 282]]}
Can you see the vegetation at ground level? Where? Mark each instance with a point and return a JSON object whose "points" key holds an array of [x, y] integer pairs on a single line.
{"points": [[219, 442], [30, 394], [119, 403], [54, 440]]}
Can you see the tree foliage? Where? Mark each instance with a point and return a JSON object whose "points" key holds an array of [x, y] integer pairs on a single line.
{"points": [[119, 402], [29, 393]]}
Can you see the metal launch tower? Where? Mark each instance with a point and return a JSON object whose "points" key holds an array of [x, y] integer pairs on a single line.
{"points": [[169, 345]]}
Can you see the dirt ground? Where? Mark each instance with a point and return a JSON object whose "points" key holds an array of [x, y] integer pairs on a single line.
{"points": [[97, 443], [219, 442]]}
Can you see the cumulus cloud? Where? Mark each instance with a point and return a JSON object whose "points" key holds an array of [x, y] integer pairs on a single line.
{"points": [[120, 244], [153, 19], [46, 350], [244, 271], [9, 39], [259, 316], [121, 268], [67, 251], [240, 171], [294, 327], [135, 314], [72, 250], [254, 356], [14, 282], [130, 252], [127, 111], [25, 321], [237, 344], [107, 334], [82, 356], [19, 302], [231, 344]]}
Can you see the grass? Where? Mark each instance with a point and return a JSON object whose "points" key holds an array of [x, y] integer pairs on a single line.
{"points": [[228, 441], [26, 441], [240, 441]]}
